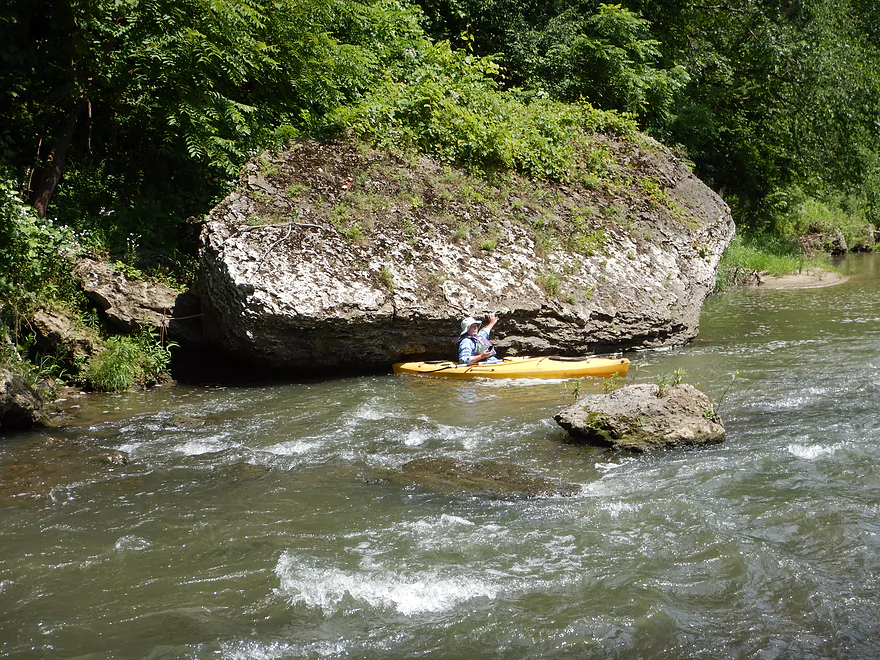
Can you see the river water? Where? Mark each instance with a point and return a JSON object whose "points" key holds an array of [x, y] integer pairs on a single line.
{"points": [[249, 522]]}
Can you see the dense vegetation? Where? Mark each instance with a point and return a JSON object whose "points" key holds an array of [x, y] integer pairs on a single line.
{"points": [[123, 121]]}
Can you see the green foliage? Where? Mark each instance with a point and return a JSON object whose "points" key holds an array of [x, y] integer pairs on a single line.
{"points": [[586, 242], [612, 383], [128, 362], [571, 51], [449, 106], [386, 276], [550, 283], [795, 213], [759, 96], [778, 97], [575, 390], [163, 101], [666, 380], [36, 256], [763, 253], [713, 414], [609, 58]]}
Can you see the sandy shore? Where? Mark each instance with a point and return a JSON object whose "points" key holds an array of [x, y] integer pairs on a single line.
{"points": [[813, 280]]}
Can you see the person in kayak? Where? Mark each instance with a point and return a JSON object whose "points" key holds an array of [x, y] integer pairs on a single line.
{"points": [[473, 343]]}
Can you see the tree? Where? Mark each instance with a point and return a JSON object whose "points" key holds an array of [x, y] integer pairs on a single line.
{"points": [[571, 49], [160, 101]]}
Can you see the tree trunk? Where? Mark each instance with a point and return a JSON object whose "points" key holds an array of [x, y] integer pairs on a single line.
{"points": [[54, 165]]}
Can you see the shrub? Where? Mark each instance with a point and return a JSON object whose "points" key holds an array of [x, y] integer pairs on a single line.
{"points": [[449, 106], [795, 213], [129, 361], [36, 257], [765, 254], [666, 380]]}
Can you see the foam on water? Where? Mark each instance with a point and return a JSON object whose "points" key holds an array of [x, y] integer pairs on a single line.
{"points": [[518, 382], [417, 437], [208, 445], [257, 651], [131, 542], [811, 452], [278, 650], [611, 465], [371, 410], [130, 448], [860, 319], [307, 581], [295, 447], [617, 508], [804, 397]]}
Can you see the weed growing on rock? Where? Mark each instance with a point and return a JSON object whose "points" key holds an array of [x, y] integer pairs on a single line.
{"points": [[612, 383], [589, 244], [259, 196], [713, 414], [268, 169], [576, 390], [550, 282], [666, 380], [386, 276], [297, 189]]}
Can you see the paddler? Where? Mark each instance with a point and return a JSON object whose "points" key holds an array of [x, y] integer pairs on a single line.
{"points": [[473, 342]]}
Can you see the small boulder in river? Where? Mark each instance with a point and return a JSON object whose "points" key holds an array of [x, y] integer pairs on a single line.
{"points": [[491, 479], [21, 406], [643, 418]]}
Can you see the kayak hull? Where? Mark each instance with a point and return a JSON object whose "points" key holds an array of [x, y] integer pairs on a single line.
{"points": [[521, 367]]}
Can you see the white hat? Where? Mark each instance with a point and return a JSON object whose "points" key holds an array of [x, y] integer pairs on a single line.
{"points": [[467, 323]]}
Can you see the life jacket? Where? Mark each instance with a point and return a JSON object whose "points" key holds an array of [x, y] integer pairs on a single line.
{"points": [[481, 343]]}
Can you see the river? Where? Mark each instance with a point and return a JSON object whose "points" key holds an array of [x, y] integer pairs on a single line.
{"points": [[248, 522]]}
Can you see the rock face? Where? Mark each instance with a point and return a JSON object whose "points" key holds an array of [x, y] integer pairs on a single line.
{"points": [[133, 304], [21, 406], [56, 331], [329, 255], [640, 418]]}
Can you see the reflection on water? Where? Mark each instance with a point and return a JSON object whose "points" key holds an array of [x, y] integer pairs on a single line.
{"points": [[255, 522]]}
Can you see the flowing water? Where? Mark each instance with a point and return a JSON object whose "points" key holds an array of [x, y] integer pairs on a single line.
{"points": [[249, 522]]}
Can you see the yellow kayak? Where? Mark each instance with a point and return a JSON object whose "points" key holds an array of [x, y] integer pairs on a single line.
{"points": [[521, 367]]}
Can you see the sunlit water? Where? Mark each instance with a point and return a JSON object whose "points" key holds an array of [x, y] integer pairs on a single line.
{"points": [[250, 522]]}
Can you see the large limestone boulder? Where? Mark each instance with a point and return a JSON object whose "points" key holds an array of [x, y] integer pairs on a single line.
{"points": [[329, 255], [643, 418]]}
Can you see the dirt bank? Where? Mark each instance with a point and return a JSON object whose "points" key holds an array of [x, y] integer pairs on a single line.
{"points": [[812, 280]]}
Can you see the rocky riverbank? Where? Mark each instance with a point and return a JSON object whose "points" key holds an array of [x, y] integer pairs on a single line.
{"points": [[333, 258]]}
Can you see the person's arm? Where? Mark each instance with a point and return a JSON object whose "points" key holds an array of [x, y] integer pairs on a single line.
{"points": [[480, 357], [491, 324], [465, 351]]}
